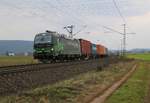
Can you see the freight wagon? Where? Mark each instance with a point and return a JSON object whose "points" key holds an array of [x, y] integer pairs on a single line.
{"points": [[101, 50], [86, 48], [94, 50]]}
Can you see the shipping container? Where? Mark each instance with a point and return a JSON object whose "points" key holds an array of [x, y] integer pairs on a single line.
{"points": [[85, 47], [94, 52], [100, 50], [104, 51]]}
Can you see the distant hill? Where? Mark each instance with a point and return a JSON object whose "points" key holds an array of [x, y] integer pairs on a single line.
{"points": [[139, 50], [20, 46], [16, 46], [136, 50]]}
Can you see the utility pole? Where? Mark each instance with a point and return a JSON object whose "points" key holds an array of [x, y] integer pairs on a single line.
{"points": [[70, 30], [124, 37], [124, 40]]}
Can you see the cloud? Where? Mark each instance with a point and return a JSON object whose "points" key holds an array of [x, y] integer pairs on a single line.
{"points": [[140, 25], [22, 19]]}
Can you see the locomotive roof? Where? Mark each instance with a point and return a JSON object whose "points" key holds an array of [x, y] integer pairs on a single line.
{"points": [[56, 34]]}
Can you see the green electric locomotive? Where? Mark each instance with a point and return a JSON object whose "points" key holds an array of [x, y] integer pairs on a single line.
{"points": [[51, 46]]}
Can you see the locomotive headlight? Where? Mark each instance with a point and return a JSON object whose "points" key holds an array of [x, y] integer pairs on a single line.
{"points": [[52, 49]]}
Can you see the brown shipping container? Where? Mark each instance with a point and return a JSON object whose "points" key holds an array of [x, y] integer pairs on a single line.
{"points": [[86, 48]]}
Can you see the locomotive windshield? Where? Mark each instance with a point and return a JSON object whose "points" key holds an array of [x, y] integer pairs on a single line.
{"points": [[42, 39]]}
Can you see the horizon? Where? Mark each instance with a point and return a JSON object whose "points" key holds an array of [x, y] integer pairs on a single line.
{"points": [[109, 49]]}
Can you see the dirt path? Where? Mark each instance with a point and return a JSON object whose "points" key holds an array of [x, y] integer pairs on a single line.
{"points": [[109, 91]]}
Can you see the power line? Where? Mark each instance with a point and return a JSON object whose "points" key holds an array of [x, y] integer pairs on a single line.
{"points": [[112, 30], [62, 11], [121, 15], [115, 4], [70, 13], [124, 36]]}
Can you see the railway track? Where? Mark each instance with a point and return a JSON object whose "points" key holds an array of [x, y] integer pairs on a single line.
{"points": [[36, 67], [6, 70], [14, 79]]}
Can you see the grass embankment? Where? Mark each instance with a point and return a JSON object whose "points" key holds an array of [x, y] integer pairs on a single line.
{"points": [[74, 90], [15, 60], [140, 56], [135, 89]]}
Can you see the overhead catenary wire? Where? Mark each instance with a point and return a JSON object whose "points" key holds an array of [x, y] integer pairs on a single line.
{"points": [[73, 19], [71, 14], [62, 13], [121, 15]]}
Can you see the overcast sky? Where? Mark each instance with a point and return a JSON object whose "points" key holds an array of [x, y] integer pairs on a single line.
{"points": [[23, 19]]}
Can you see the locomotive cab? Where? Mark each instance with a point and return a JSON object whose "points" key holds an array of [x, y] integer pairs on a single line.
{"points": [[43, 45], [43, 39]]}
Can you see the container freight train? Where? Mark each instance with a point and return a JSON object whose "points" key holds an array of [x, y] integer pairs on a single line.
{"points": [[51, 46]]}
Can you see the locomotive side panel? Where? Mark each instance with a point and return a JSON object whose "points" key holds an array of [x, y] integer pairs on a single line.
{"points": [[70, 47]]}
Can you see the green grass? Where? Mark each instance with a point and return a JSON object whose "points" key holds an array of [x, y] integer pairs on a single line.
{"points": [[14, 60], [140, 56], [135, 89]]}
